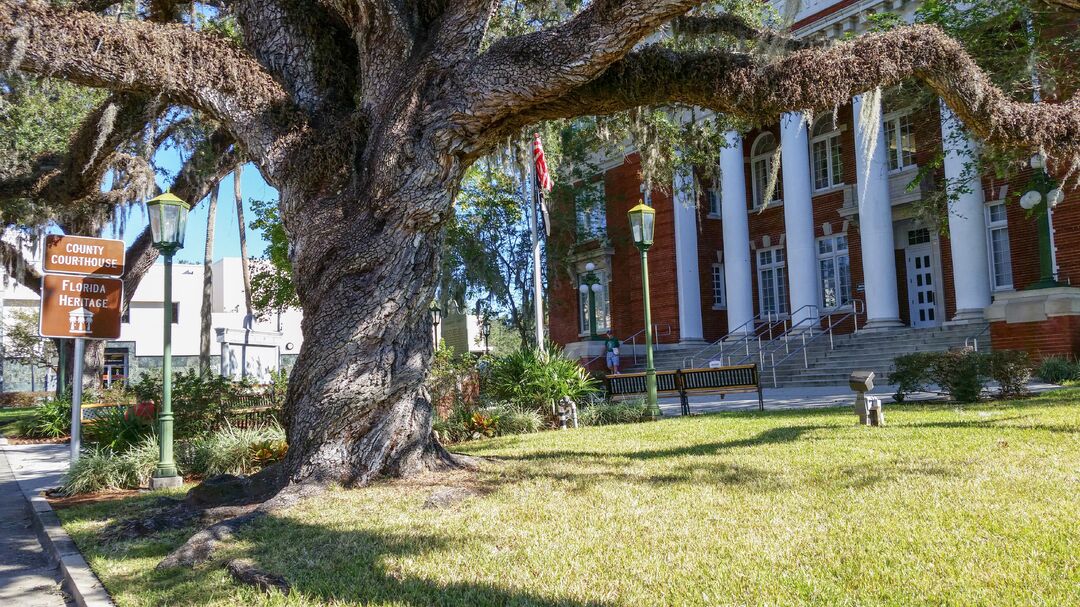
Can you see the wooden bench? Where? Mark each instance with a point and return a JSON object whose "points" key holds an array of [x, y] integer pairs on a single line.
{"points": [[686, 382], [90, 412]]}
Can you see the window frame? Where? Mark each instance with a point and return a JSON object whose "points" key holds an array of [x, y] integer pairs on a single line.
{"points": [[755, 182], [834, 162], [713, 195], [834, 254], [719, 289], [603, 304], [591, 223], [897, 156], [992, 226], [778, 280]]}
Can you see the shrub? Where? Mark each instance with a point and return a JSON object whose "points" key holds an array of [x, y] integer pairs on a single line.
{"points": [[21, 399], [618, 412], [537, 379], [911, 373], [51, 419], [1011, 369], [1057, 370], [515, 420], [238, 451], [118, 429], [960, 373], [103, 469], [202, 403]]}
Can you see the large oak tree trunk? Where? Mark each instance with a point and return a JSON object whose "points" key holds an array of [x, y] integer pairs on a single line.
{"points": [[365, 263]]}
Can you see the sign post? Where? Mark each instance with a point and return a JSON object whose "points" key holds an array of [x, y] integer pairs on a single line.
{"points": [[81, 301]]}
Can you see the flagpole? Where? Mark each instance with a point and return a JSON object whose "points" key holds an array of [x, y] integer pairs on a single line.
{"points": [[538, 303]]}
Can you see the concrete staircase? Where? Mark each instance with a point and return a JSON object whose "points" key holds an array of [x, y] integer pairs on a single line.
{"points": [[866, 350]]}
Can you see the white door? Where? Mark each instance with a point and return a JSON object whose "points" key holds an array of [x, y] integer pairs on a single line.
{"points": [[922, 298]]}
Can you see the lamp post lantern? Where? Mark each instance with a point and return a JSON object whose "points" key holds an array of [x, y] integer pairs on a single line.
{"points": [[1042, 194], [642, 227], [168, 222], [591, 285], [485, 330], [436, 315]]}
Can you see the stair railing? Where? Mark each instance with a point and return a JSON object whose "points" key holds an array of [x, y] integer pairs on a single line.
{"points": [[744, 335], [857, 307], [973, 341], [657, 334]]}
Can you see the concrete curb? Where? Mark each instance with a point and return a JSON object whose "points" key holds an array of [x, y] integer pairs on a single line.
{"points": [[78, 579]]}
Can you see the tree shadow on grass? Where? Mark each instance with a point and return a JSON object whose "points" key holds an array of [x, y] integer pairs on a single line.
{"points": [[357, 566], [323, 563], [772, 436]]}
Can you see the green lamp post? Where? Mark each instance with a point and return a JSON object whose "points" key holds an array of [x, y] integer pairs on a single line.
{"points": [[591, 285], [168, 223], [1042, 194], [642, 224]]}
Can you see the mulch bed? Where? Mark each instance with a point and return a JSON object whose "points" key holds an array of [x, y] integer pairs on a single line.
{"points": [[59, 503]]}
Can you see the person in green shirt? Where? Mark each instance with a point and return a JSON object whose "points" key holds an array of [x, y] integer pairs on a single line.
{"points": [[612, 345]]}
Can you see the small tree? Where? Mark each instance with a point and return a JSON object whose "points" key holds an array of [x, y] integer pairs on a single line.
{"points": [[24, 343]]}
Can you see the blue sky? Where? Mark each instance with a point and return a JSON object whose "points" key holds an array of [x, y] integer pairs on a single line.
{"points": [[226, 233]]}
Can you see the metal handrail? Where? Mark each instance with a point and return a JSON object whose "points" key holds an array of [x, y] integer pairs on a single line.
{"points": [[973, 341], [738, 334], [784, 336], [633, 338], [853, 313]]}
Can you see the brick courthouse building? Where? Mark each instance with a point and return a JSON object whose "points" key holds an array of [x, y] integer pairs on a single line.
{"points": [[843, 232]]}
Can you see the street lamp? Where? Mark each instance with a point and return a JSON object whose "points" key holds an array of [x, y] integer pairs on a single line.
{"points": [[642, 224], [168, 222], [436, 314], [591, 285], [485, 330], [1042, 194]]}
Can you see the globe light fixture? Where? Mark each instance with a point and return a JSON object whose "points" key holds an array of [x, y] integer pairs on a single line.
{"points": [[436, 317], [1054, 197], [1038, 161], [590, 285], [1030, 200]]}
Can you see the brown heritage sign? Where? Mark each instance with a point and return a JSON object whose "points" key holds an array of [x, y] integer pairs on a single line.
{"points": [[83, 255], [80, 306]]}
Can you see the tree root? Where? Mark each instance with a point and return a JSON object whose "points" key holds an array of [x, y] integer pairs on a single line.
{"points": [[245, 572], [200, 547]]}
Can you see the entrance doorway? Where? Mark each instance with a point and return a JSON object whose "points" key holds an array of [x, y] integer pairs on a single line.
{"points": [[116, 367], [922, 284]]}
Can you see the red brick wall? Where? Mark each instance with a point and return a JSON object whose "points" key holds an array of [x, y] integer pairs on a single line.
{"points": [[622, 188], [1057, 336]]}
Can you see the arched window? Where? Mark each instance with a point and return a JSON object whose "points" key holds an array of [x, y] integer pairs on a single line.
{"points": [[761, 166], [826, 154]]}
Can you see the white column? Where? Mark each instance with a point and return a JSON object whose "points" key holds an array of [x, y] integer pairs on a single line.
{"points": [[686, 257], [799, 219], [967, 225], [875, 214], [737, 277]]}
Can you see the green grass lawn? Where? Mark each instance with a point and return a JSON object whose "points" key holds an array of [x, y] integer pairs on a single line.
{"points": [[947, 505], [10, 417]]}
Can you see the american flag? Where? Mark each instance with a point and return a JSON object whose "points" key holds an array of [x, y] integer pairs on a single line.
{"points": [[543, 177]]}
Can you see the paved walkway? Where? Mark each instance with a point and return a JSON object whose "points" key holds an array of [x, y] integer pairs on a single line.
{"points": [[26, 578]]}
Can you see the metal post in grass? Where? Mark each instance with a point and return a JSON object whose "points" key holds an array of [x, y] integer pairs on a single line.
{"points": [[168, 222], [642, 227]]}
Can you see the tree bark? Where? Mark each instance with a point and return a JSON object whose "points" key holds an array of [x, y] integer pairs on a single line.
{"points": [[208, 284], [357, 407]]}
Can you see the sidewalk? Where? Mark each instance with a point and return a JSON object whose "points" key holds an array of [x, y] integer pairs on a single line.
{"points": [[26, 578]]}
